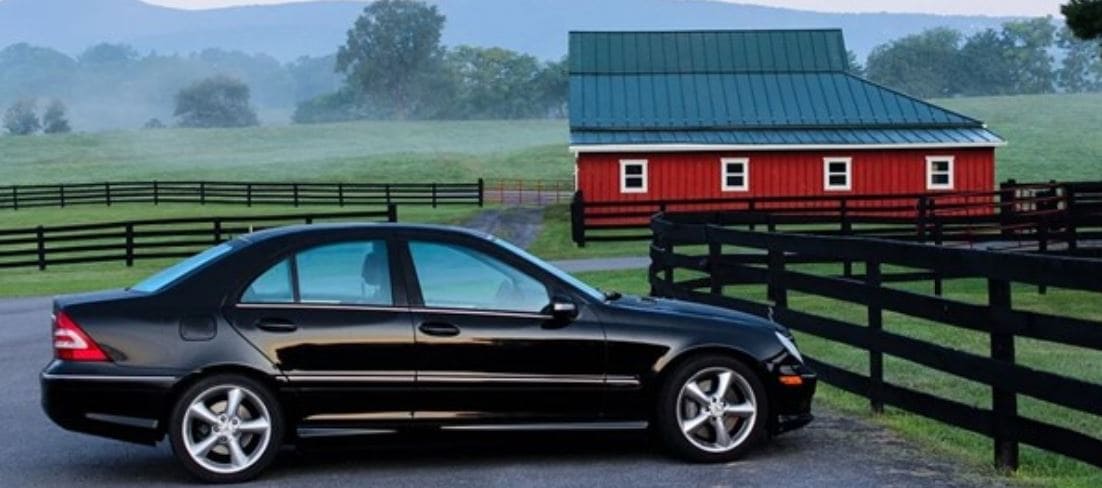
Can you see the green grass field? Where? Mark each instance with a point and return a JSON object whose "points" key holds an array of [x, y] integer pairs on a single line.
{"points": [[1050, 137], [1038, 468]]}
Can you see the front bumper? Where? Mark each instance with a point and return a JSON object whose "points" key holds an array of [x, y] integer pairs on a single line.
{"points": [[792, 403], [123, 407]]}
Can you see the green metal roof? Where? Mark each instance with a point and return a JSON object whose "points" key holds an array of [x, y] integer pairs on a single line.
{"points": [[692, 86]]}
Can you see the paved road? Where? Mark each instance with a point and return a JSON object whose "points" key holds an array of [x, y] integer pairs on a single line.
{"points": [[832, 451]]}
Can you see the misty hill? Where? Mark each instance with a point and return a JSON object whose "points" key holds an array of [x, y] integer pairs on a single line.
{"points": [[538, 27]]}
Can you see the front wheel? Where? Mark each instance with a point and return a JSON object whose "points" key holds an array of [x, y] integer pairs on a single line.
{"points": [[712, 409], [226, 429]]}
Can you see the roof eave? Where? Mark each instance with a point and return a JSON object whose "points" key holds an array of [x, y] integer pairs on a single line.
{"points": [[660, 148]]}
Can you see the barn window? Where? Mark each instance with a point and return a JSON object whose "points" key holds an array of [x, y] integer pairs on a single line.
{"points": [[633, 176], [735, 173], [939, 172], [837, 174]]}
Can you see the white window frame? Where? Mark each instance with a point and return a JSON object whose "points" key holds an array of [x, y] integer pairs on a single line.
{"points": [[624, 163], [848, 161], [724, 174], [930, 160]]}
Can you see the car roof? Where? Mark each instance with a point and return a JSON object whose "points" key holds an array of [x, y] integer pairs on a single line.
{"points": [[334, 228]]}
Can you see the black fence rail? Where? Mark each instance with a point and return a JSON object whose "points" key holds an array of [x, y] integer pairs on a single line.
{"points": [[135, 240], [240, 193], [706, 274], [1017, 215]]}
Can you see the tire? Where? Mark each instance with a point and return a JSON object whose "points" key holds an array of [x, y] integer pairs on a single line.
{"points": [[204, 441], [743, 410]]}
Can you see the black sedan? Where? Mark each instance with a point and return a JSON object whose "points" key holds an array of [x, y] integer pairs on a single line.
{"points": [[359, 329]]}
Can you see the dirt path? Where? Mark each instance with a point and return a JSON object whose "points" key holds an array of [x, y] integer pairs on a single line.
{"points": [[519, 225]]}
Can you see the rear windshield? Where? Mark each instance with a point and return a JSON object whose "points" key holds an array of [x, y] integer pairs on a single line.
{"points": [[173, 273]]}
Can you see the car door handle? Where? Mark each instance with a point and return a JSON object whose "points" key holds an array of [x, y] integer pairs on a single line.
{"points": [[439, 329], [276, 325]]}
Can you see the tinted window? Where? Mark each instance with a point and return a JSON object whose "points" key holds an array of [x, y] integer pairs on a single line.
{"points": [[274, 286], [458, 277], [352, 273], [179, 270]]}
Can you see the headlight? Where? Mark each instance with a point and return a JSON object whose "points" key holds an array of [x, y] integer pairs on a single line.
{"points": [[789, 346]]}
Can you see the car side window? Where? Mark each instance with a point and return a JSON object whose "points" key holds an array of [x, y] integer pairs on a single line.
{"points": [[453, 276], [355, 273], [346, 273], [274, 286]]}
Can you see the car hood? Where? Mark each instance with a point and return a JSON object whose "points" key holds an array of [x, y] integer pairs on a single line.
{"points": [[679, 308]]}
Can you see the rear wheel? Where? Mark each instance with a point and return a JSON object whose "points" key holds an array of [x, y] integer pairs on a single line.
{"points": [[226, 429], [712, 409]]}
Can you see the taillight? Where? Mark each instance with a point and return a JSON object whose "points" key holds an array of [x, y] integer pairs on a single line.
{"points": [[71, 343]]}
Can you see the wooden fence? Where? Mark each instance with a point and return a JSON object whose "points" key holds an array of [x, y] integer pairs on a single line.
{"points": [[1017, 214], [997, 317], [240, 193], [130, 241]]}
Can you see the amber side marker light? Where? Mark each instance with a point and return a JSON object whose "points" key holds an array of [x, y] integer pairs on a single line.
{"points": [[791, 380]]}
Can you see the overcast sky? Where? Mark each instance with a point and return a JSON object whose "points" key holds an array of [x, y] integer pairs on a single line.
{"points": [[983, 7]]}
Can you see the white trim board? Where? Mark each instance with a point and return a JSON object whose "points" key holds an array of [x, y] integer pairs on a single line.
{"points": [[637, 148]]}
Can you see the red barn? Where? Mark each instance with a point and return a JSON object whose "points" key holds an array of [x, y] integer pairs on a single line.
{"points": [[730, 114]]}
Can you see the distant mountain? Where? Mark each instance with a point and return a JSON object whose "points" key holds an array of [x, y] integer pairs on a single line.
{"points": [[538, 27]]}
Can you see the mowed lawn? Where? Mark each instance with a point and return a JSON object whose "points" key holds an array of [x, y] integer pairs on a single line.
{"points": [[1038, 468], [85, 277], [1050, 137], [357, 151]]}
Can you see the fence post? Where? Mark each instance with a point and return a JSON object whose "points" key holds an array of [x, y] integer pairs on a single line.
{"points": [[938, 241], [391, 212], [434, 194], [156, 193], [61, 194], [294, 193], [202, 193], [216, 230], [715, 251], [920, 219], [1004, 403], [107, 193], [340, 194], [482, 191], [577, 219], [40, 235], [1007, 204], [751, 206], [777, 291], [876, 324], [15, 197], [847, 229], [129, 245], [1070, 218]]}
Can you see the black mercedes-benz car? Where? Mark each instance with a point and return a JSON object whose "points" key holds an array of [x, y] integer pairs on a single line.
{"points": [[367, 328]]}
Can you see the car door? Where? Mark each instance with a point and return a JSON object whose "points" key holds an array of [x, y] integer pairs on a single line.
{"points": [[333, 318], [488, 348]]}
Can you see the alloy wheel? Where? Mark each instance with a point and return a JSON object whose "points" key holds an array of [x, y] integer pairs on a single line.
{"points": [[716, 409], [226, 429]]}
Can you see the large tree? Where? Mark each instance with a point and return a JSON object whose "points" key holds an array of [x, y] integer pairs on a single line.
{"points": [[923, 65], [1028, 45], [392, 56], [495, 83], [219, 101], [1080, 69], [1084, 18], [54, 120], [21, 118]]}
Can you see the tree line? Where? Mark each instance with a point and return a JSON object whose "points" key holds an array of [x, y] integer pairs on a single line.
{"points": [[1030, 56]]}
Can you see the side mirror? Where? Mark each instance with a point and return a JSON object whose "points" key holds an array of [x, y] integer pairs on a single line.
{"points": [[563, 309]]}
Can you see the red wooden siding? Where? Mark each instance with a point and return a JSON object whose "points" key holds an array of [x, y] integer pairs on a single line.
{"points": [[678, 176]]}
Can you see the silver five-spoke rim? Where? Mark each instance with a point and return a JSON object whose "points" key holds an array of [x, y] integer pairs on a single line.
{"points": [[716, 409], [226, 429]]}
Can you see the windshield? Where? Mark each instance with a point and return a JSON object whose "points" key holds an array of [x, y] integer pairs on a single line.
{"points": [[172, 273], [562, 275]]}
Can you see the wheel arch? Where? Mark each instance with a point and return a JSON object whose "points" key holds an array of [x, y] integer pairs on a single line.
{"points": [[670, 364], [265, 379]]}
